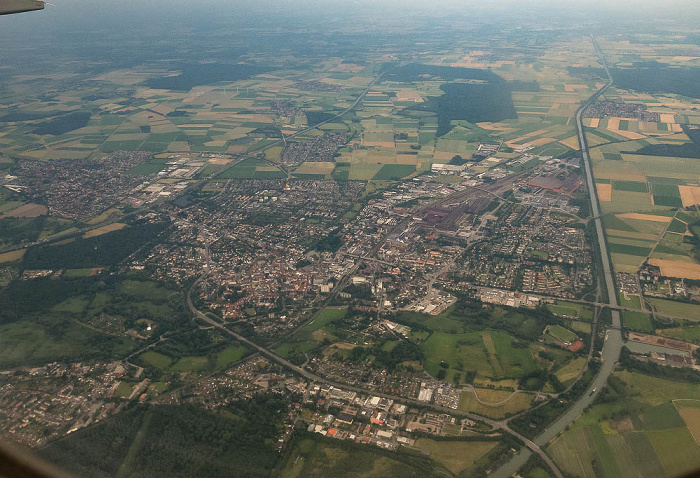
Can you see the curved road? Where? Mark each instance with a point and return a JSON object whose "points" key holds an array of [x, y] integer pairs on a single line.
{"points": [[613, 339], [496, 425]]}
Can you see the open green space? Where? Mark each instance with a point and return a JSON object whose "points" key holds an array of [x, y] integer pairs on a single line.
{"points": [[230, 355], [676, 309], [154, 359], [561, 333], [390, 172], [456, 456], [571, 309], [631, 301], [303, 339], [83, 318], [316, 456], [638, 321]]}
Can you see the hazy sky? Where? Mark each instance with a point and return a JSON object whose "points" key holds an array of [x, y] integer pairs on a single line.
{"points": [[93, 18]]}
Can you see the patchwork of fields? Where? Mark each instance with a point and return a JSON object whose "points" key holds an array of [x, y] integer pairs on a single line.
{"points": [[653, 434]]}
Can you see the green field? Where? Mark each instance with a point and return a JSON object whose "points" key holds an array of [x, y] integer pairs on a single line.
{"points": [[561, 333], [497, 403], [631, 302], [456, 456], [676, 449], [637, 321], [155, 359], [641, 434], [459, 351], [145, 290], [78, 272], [633, 186], [571, 370], [190, 364], [302, 340], [317, 457], [390, 172], [676, 309], [571, 309], [252, 168], [147, 168], [31, 343], [688, 332], [488, 354], [229, 355]]}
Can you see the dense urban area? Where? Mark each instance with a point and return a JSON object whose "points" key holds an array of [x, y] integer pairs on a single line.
{"points": [[310, 256]]}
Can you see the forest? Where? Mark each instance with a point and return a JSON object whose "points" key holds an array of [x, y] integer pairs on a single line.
{"points": [[165, 441]]}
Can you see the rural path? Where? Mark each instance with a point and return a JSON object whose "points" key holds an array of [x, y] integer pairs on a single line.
{"points": [[613, 339]]}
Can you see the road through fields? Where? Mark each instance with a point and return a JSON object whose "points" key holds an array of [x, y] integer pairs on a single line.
{"points": [[613, 339]]}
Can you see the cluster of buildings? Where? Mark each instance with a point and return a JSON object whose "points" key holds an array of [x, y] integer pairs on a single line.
{"points": [[80, 190], [43, 403], [619, 109], [320, 149], [528, 249], [653, 284]]}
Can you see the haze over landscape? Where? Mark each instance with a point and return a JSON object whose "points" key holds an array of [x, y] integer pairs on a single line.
{"points": [[359, 238]]}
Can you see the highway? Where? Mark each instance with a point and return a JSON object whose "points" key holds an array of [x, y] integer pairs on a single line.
{"points": [[613, 339]]}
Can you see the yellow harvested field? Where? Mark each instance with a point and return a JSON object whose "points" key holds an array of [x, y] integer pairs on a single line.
{"points": [[667, 118], [629, 134], [690, 195], [115, 226], [525, 137], [494, 126], [179, 146], [542, 141], [197, 126], [381, 144], [254, 118], [644, 217], [315, 167], [629, 175], [442, 156], [28, 210], [215, 144], [406, 159], [571, 142], [614, 124], [219, 161], [691, 417], [677, 269], [571, 88], [12, 256], [409, 94], [685, 58], [595, 122], [162, 109], [604, 191]]}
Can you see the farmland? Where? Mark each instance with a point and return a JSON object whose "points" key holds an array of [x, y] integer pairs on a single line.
{"points": [[316, 457], [456, 456], [647, 439]]}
